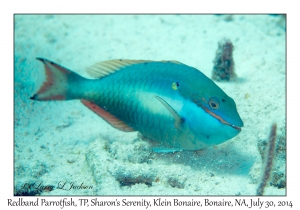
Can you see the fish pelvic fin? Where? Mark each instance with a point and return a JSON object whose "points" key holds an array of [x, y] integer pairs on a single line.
{"points": [[54, 82], [178, 119], [109, 118], [165, 150]]}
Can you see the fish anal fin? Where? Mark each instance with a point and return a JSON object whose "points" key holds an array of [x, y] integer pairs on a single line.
{"points": [[109, 118], [178, 119]]}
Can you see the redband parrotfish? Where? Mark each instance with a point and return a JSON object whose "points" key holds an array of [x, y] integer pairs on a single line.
{"points": [[173, 105]]}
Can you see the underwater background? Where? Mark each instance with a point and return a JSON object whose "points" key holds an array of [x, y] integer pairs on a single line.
{"points": [[57, 143]]}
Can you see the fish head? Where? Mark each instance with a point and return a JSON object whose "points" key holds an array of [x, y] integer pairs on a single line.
{"points": [[214, 116]]}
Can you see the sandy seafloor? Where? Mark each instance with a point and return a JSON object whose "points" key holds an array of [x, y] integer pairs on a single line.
{"points": [[63, 141]]}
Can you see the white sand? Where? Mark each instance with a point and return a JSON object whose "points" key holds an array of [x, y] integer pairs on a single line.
{"points": [[64, 141]]}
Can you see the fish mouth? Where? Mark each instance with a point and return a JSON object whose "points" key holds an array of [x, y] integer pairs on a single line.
{"points": [[222, 120], [235, 127]]}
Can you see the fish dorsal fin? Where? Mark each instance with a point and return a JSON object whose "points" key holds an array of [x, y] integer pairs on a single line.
{"points": [[109, 118], [171, 61], [105, 68], [178, 120]]}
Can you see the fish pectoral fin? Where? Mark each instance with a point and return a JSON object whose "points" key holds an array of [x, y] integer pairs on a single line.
{"points": [[109, 118], [105, 68], [178, 120]]}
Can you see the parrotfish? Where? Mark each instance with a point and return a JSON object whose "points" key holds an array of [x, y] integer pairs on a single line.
{"points": [[174, 106]]}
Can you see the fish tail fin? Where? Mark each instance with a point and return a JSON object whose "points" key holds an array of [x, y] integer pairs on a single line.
{"points": [[53, 84]]}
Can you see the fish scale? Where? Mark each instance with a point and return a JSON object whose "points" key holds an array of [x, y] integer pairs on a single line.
{"points": [[173, 105], [140, 117]]}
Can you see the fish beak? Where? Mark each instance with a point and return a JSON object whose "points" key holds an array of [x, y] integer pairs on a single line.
{"points": [[236, 127]]}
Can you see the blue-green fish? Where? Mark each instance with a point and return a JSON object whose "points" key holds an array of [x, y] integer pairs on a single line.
{"points": [[173, 105]]}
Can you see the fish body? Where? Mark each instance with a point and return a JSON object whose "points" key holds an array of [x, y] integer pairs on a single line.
{"points": [[174, 105]]}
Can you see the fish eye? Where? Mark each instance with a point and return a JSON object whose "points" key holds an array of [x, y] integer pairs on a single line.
{"points": [[214, 103]]}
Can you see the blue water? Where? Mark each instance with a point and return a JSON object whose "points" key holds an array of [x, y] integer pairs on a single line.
{"points": [[57, 143]]}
